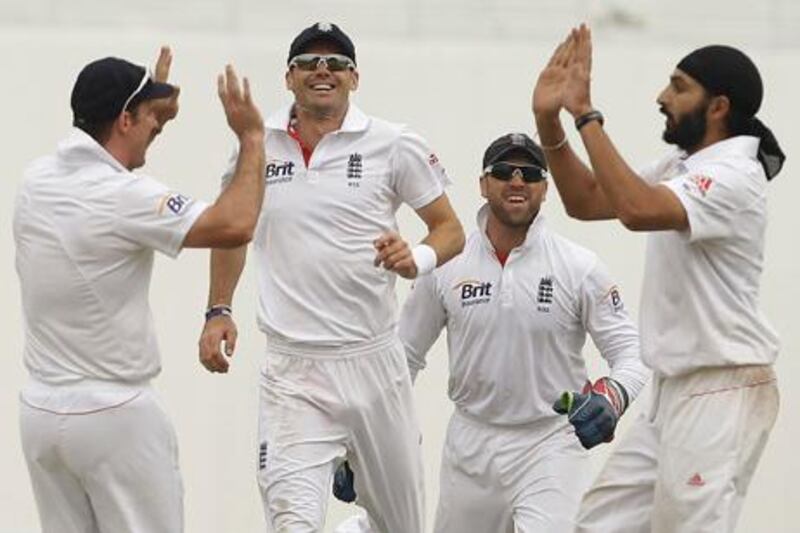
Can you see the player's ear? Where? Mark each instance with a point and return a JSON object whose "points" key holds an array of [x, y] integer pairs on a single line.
{"points": [[289, 79], [353, 80], [482, 182]]}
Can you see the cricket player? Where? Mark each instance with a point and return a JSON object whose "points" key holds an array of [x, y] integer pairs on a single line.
{"points": [[100, 450], [335, 384], [686, 463], [517, 304]]}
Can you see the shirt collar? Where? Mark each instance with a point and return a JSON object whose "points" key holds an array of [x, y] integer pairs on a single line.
{"points": [[81, 145], [355, 120], [742, 145], [534, 231]]}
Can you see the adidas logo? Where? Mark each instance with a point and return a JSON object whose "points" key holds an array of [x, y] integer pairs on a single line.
{"points": [[696, 480]]}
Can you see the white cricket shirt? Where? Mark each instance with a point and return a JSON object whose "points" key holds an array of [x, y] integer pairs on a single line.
{"points": [[313, 243], [701, 287], [85, 229], [515, 332]]}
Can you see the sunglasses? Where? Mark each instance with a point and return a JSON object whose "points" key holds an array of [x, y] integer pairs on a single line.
{"points": [[142, 83], [311, 62], [508, 171]]}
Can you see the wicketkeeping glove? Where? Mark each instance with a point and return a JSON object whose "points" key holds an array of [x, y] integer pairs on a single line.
{"points": [[594, 411], [343, 487]]}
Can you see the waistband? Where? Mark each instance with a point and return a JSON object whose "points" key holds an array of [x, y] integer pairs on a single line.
{"points": [[284, 346], [544, 425], [82, 397], [724, 377]]}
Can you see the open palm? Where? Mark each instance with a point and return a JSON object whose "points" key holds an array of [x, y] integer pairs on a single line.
{"points": [[548, 94], [577, 86]]}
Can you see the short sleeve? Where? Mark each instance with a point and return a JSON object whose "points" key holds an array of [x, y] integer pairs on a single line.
{"points": [[713, 197], [151, 215], [418, 176]]}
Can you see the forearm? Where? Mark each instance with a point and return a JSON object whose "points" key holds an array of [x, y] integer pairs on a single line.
{"points": [[226, 268], [241, 199], [446, 239], [628, 195], [581, 194], [628, 370]]}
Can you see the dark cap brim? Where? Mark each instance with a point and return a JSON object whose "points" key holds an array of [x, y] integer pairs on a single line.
{"points": [[156, 89], [521, 151]]}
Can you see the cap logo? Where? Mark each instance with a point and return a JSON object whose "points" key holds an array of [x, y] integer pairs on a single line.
{"points": [[518, 139], [324, 26]]}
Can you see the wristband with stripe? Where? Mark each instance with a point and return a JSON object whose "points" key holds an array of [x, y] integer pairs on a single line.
{"points": [[218, 310]]}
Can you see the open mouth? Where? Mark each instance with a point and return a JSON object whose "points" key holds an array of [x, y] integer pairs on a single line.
{"points": [[321, 87], [516, 199]]}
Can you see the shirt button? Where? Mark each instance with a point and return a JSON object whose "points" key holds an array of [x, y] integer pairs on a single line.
{"points": [[313, 176]]}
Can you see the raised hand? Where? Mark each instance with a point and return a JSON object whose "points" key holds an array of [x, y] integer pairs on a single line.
{"points": [[166, 108], [577, 90], [243, 116], [548, 93]]}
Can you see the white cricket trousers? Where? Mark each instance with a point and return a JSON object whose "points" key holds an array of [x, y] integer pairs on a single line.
{"points": [[497, 479], [322, 405], [685, 464], [110, 470]]}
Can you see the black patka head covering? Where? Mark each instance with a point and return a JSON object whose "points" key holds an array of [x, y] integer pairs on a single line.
{"points": [[724, 70]]}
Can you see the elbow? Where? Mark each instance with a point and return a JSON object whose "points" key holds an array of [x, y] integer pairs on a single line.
{"points": [[242, 234], [634, 219], [236, 235], [573, 211]]}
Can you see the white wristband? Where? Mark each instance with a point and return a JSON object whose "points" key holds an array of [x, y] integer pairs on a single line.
{"points": [[425, 258]]}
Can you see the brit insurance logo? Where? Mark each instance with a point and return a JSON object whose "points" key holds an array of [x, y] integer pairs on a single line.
{"points": [[355, 170], [279, 171], [474, 292], [614, 299], [174, 202]]}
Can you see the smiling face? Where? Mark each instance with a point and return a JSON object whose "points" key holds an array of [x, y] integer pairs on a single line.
{"points": [[513, 203], [320, 91]]}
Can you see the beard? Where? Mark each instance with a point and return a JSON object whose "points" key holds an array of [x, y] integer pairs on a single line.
{"points": [[512, 220], [688, 132]]}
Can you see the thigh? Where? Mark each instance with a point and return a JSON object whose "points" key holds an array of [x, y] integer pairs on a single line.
{"points": [[300, 440], [385, 449], [712, 443], [61, 500], [621, 498], [555, 476], [469, 499], [127, 457]]}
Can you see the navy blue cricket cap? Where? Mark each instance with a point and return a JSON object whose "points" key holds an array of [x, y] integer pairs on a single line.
{"points": [[106, 85], [322, 32], [727, 71], [518, 144]]}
